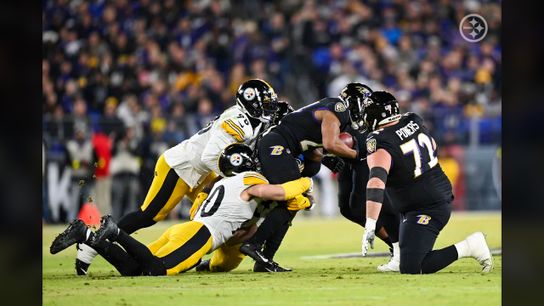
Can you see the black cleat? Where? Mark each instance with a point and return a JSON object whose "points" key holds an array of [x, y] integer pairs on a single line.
{"points": [[108, 230], [74, 233], [203, 266], [81, 267], [271, 266], [254, 252]]}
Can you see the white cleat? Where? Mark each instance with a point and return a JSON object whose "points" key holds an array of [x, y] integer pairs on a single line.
{"points": [[479, 250], [392, 266]]}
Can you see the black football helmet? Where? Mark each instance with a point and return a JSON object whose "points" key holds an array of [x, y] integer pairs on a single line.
{"points": [[353, 95], [380, 108], [284, 108], [258, 99], [235, 159]]}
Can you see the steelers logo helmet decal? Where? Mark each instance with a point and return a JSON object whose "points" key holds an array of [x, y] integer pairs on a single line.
{"points": [[236, 159], [339, 107], [249, 94]]}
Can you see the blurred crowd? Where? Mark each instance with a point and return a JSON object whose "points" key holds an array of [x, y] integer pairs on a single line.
{"points": [[125, 79]]}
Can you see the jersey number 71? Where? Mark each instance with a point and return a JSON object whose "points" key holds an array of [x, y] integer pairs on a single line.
{"points": [[414, 147]]}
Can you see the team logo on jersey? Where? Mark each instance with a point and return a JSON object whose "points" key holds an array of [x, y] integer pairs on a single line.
{"points": [[423, 219], [276, 150], [371, 146], [236, 159], [249, 94], [339, 107]]}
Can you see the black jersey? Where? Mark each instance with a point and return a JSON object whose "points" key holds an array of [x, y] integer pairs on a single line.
{"points": [[415, 179], [303, 131]]}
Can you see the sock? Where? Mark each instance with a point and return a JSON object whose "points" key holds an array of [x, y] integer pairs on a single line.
{"points": [[85, 253], [150, 265], [134, 221], [438, 260], [275, 218], [273, 243], [462, 248], [396, 250], [121, 260]]}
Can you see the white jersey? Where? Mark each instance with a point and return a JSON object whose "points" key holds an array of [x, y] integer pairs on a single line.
{"points": [[223, 212], [194, 158]]}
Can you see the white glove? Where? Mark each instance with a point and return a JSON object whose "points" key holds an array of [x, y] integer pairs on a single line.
{"points": [[368, 237]]}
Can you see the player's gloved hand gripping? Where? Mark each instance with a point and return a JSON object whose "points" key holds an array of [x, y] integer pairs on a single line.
{"points": [[370, 234]]}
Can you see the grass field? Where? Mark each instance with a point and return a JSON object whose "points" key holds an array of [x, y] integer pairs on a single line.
{"points": [[352, 281]]}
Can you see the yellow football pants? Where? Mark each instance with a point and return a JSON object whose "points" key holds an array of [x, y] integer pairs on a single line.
{"points": [[226, 258], [167, 189], [182, 246]]}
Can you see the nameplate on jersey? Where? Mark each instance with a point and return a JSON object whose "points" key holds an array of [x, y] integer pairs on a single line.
{"points": [[407, 130]]}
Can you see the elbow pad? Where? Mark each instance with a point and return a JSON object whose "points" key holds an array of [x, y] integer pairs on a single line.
{"points": [[296, 187]]}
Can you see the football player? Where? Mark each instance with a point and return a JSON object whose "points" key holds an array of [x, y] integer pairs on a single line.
{"points": [[231, 203], [314, 126], [186, 168], [352, 180], [402, 156]]}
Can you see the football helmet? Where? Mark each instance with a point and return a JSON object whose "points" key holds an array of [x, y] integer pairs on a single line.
{"points": [[380, 108], [284, 108], [353, 95], [258, 99], [235, 159]]}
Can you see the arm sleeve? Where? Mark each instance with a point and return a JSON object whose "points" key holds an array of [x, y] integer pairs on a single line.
{"points": [[339, 109], [223, 135]]}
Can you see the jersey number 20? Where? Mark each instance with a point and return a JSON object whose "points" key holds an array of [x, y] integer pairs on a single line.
{"points": [[414, 147], [216, 196]]}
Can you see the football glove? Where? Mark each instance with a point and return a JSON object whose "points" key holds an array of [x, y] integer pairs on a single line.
{"points": [[368, 237], [334, 163]]}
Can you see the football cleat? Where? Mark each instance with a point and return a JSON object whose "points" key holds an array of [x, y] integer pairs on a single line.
{"points": [[392, 266], [254, 252], [108, 230], [271, 266], [81, 267], [203, 266], [74, 233], [479, 250]]}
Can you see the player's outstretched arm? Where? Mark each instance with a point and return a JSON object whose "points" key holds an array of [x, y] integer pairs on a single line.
{"points": [[330, 129], [379, 164], [278, 192]]}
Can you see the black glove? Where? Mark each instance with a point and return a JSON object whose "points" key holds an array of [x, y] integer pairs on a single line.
{"points": [[334, 163]]}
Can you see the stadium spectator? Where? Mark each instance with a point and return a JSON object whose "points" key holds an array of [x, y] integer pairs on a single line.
{"points": [[171, 66]]}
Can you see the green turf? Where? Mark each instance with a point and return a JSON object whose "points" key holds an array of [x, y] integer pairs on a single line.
{"points": [[353, 281]]}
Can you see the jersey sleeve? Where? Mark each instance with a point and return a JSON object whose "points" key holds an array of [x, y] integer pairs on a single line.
{"points": [[339, 109], [375, 141], [228, 131], [254, 178]]}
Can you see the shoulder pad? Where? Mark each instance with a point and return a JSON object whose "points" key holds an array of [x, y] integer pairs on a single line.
{"points": [[254, 178], [237, 125]]}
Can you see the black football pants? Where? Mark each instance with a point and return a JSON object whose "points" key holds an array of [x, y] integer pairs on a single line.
{"points": [[352, 182], [418, 232]]}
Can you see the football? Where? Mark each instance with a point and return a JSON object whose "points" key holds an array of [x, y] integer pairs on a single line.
{"points": [[347, 139]]}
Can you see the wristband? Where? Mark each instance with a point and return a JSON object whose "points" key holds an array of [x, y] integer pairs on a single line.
{"points": [[370, 224]]}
